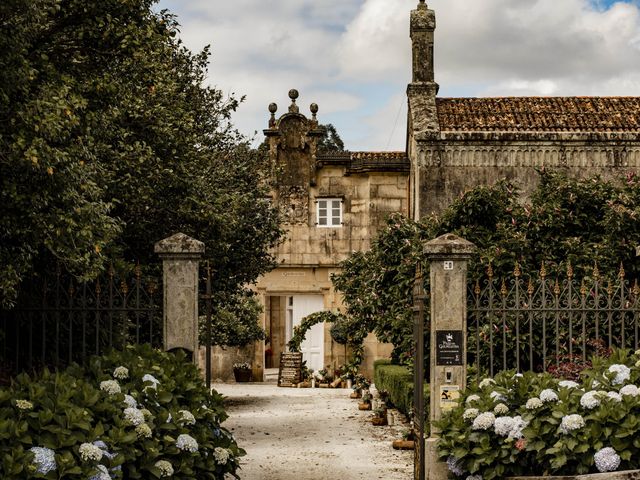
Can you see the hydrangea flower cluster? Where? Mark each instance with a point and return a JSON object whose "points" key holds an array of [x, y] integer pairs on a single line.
{"points": [[590, 400], [630, 390], [606, 460], [484, 421], [454, 466], [500, 409], [143, 431], [548, 395], [165, 467], [470, 413], [510, 427], [121, 373], [187, 417], [486, 382], [622, 373], [90, 452], [134, 416], [568, 384], [187, 443], [221, 455], [474, 477], [24, 405], [615, 396], [110, 386], [533, 403], [472, 398], [571, 422], [130, 401], [44, 460]]}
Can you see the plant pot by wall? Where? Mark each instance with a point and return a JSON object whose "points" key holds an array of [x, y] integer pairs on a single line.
{"points": [[242, 375]]}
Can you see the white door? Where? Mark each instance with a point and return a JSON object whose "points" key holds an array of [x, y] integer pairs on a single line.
{"points": [[312, 348]]}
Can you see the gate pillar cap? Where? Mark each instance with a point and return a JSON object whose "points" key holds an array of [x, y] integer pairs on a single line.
{"points": [[449, 245], [179, 244]]}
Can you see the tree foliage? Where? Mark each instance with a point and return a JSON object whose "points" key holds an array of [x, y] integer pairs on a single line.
{"points": [[585, 222], [330, 140], [109, 142]]}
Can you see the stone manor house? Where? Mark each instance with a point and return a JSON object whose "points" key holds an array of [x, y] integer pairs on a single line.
{"points": [[335, 203]]}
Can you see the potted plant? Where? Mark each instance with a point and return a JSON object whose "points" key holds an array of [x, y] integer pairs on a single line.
{"points": [[365, 404], [380, 415], [242, 372]]}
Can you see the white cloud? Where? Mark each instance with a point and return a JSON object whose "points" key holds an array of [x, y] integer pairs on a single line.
{"points": [[353, 57]]}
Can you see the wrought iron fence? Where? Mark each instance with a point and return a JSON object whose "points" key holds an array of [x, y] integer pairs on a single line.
{"points": [[536, 322], [59, 320]]}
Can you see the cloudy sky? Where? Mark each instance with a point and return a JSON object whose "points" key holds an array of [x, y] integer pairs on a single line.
{"points": [[353, 57]]}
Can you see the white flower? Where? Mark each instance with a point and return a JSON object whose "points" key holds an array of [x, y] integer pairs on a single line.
{"points": [[187, 417], [484, 421], [571, 422], [143, 431], [497, 397], [165, 467], [90, 452], [590, 400], [568, 384], [503, 426], [533, 403], [518, 425], [486, 382], [631, 390], [121, 373], [500, 409], [187, 443], [130, 401], [518, 375], [44, 460], [134, 416], [472, 398], [454, 466], [470, 413], [606, 459], [110, 386], [221, 455], [150, 378], [103, 474], [595, 384], [24, 404], [105, 450], [638, 363], [622, 373], [146, 413], [615, 396], [548, 395], [474, 477]]}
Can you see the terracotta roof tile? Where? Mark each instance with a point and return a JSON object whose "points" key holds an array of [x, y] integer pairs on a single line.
{"points": [[542, 114]]}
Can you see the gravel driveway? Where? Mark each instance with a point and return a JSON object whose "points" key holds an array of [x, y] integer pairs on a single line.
{"points": [[310, 434]]}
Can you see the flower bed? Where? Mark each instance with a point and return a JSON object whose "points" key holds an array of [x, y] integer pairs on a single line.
{"points": [[535, 425], [136, 414]]}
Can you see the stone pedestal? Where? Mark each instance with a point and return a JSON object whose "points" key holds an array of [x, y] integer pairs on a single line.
{"points": [[448, 256], [180, 256]]}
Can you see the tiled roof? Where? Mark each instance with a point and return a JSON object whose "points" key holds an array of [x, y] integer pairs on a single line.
{"points": [[360, 162], [540, 114]]}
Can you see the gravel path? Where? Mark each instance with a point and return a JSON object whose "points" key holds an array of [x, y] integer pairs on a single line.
{"points": [[310, 434]]}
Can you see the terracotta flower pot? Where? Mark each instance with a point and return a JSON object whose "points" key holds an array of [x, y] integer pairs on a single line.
{"points": [[242, 375]]}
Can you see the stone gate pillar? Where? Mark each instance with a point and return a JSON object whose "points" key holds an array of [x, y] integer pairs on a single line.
{"points": [[448, 256], [180, 256]]}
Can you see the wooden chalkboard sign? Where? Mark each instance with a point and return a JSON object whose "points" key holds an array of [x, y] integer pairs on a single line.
{"points": [[290, 373]]}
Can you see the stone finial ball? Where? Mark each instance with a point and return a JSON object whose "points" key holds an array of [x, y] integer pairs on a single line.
{"points": [[273, 108], [293, 94], [314, 108]]}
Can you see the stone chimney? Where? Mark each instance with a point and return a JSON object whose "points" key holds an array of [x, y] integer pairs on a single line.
{"points": [[423, 25]]}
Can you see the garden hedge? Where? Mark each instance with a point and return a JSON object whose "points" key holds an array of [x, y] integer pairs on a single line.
{"points": [[397, 380]]}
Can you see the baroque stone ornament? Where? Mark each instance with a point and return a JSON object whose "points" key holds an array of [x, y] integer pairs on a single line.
{"points": [[294, 205]]}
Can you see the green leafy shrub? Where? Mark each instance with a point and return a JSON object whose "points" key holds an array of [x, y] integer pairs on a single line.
{"points": [[535, 424], [397, 380], [135, 414]]}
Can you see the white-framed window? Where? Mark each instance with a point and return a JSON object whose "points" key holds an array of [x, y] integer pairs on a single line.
{"points": [[329, 212]]}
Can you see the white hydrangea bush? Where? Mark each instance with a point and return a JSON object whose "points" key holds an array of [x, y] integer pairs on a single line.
{"points": [[126, 415], [534, 424]]}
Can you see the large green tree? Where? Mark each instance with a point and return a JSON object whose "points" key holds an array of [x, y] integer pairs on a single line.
{"points": [[110, 141], [585, 222]]}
